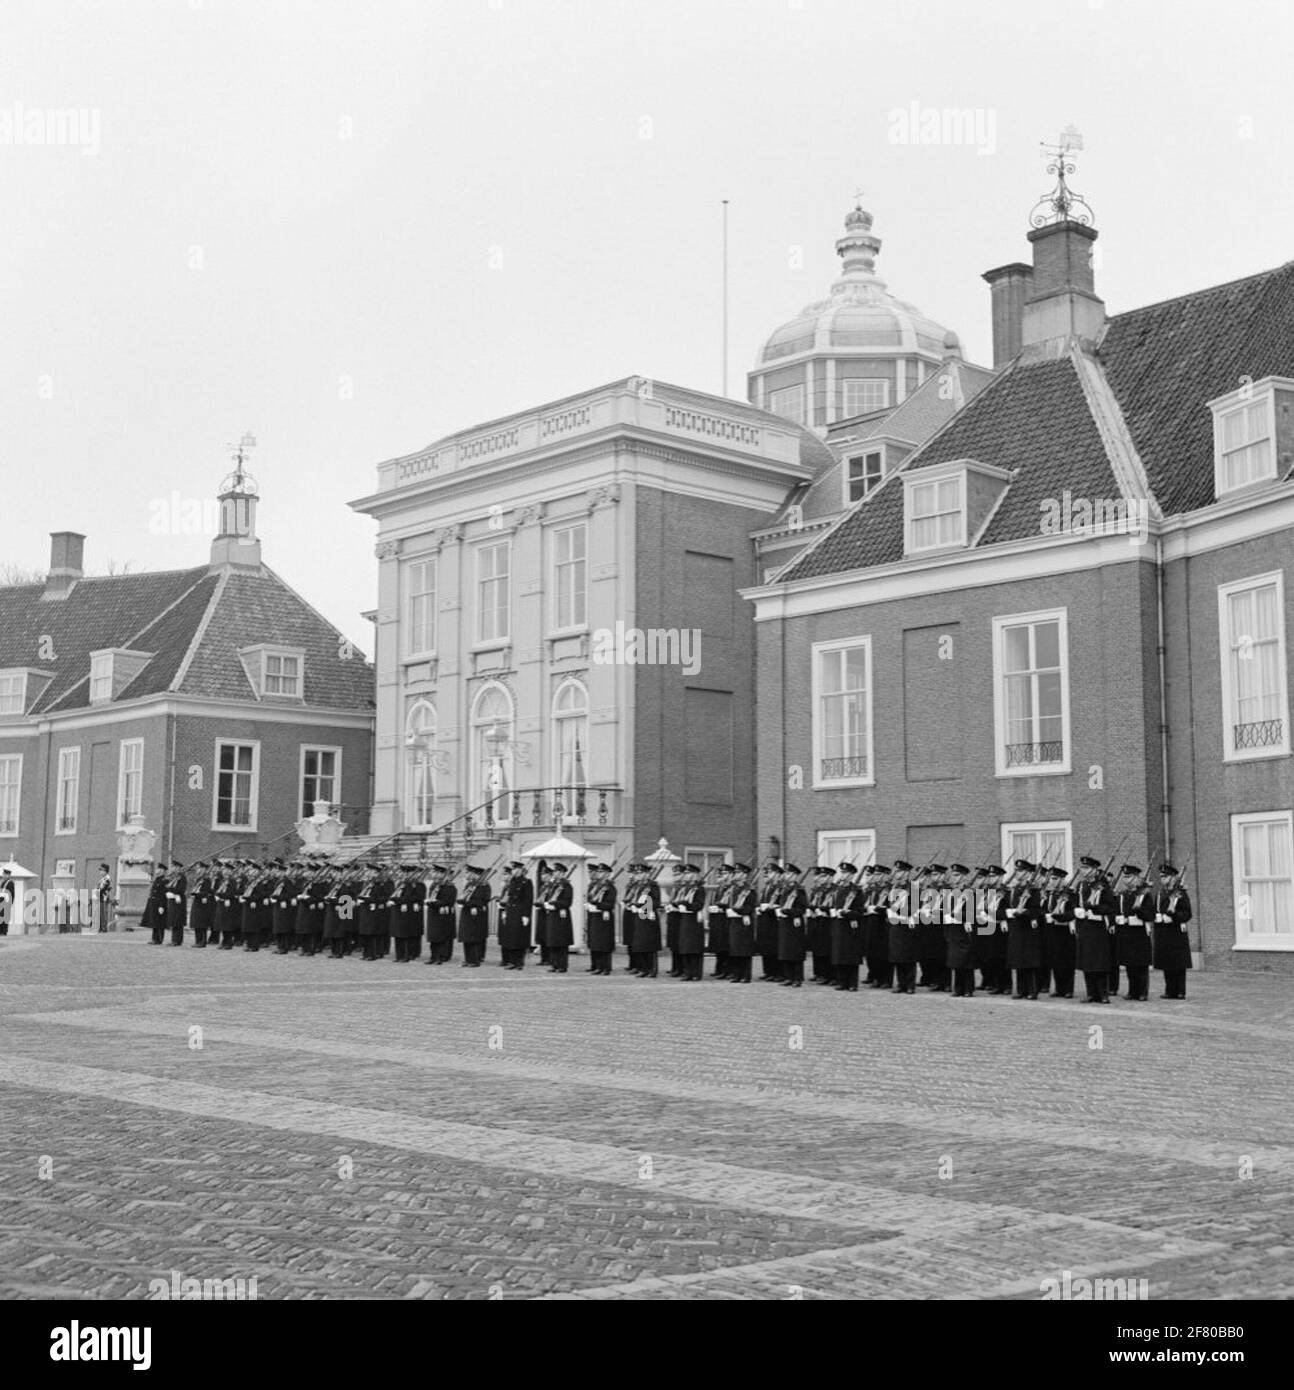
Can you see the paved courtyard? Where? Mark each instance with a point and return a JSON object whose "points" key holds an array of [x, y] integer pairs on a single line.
{"points": [[343, 1129]]}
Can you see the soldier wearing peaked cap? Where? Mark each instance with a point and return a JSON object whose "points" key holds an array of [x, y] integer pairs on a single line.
{"points": [[902, 914], [847, 928], [1094, 928], [876, 926], [642, 904], [600, 919], [716, 919], [516, 909], [155, 907], [202, 909], [791, 909], [743, 899], [689, 902], [441, 904], [959, 931], [1172, 944], [1059, 900], [1024, 929], [766, 924], [558, 899], [990, 927], [406, 915], [176, 902], [931, 947], [1133, 914], [818, 922], [474, 916]]}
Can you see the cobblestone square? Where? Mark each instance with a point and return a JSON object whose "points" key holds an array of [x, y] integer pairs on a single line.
{"points": [[341, 1129]]}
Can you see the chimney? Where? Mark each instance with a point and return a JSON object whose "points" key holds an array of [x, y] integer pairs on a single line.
{"points": [[1063, 303], [66, 553], [1011, 286]]}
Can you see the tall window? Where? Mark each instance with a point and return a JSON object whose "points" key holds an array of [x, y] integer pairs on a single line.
{"points": [[862, 473], [421, 581], [493, 563], [1262, 859], [282, 674], [788, 402], [1255, 701], [420, 787], [570, 735], [1243, 444], [100, 677], [236, 785], [13, 692], [10, 792], [130, 780], [69, 786], [492, 745], [1042, 842], [936, 513], [320, 777], [842, 713], [570, 576], [1031, 693], [864, 393], [854, 847]]}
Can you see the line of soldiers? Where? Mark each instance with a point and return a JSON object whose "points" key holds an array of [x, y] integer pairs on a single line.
{"points": [[1025, 932]]}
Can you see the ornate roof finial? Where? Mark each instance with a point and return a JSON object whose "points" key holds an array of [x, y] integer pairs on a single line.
{"points": [[858, 248], [240, 480], [1062, 204]]}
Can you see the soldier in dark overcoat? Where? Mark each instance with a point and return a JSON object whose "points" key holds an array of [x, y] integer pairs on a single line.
{"points": [[1172, 942]]}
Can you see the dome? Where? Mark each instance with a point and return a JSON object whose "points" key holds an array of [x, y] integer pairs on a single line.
{"points": [[860, 312]]}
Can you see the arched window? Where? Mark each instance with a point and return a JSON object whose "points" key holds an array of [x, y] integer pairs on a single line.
{"points": [[492, 750], [571, 741], [420, 786]]}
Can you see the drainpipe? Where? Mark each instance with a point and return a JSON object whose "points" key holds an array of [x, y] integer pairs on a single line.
{"points": [[1163, 699], [170, 796]]}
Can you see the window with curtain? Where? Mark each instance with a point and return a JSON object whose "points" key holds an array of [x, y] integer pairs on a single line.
{"points": [[492, 738], [1031, 663], [1252, 620], [421, 626], [571, 735], [1263, 862], [420, 791]]}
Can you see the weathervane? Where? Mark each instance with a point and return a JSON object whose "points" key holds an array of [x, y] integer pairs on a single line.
{"points": [[1062, 204], [240, 480]]}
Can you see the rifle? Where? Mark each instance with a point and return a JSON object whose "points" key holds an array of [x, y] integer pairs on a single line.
{"points": [[1110, 861]]}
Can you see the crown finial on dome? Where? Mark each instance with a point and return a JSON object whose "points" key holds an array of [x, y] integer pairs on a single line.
{"points": [[858, 248]]}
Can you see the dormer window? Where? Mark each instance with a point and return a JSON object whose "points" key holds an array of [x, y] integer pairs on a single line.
{"points": [[13, 692], [935, 513], [1248, 428], [100, 677], [947, 505], [276, 673], [862, 473], [112, 669], [282, 674]]}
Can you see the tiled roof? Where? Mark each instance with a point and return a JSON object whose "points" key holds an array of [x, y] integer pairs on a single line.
{"points": [[256, 608], [1032, 420], [164, 613], [1162, 364], [99, 612], [1167, 360]]}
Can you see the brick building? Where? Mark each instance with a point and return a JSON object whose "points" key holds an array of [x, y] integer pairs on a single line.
{"points": [[1059, 626], [213, 701]]}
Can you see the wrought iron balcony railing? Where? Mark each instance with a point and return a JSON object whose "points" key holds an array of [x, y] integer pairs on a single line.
{"points": [[1035, 754], [1264, 733], [835, 769]]}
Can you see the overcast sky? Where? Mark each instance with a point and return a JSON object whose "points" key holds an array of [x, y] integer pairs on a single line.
{"points": [[353, 228]]}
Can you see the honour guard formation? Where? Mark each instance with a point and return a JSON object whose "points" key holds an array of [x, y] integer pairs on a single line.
{"points": [[1026, 933]]}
